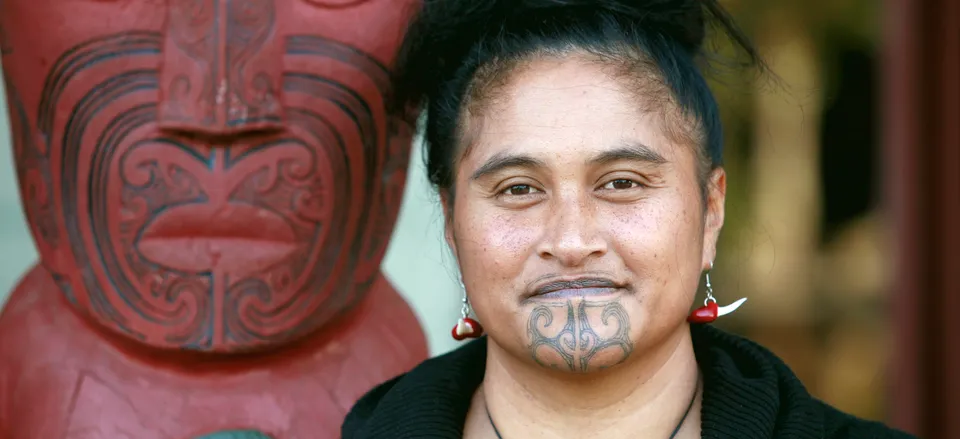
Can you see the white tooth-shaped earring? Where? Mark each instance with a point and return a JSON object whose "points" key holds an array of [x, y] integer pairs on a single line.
{"points": [[709, 312]]}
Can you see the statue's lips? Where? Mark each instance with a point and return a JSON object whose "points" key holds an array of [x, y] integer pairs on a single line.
{"points": [[231, 239]]}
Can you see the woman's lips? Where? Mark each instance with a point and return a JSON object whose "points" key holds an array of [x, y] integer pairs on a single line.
{"points": [[569, 293], [584, 286], [229, 239]]}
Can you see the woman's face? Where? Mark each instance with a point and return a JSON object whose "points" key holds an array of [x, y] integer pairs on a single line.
{"points": [[578, 224]]}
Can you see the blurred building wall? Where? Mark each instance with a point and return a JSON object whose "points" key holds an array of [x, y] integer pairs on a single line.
{"points": [[922, 167]]}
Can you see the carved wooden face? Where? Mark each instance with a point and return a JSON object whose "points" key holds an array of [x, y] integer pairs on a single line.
{"points": [[217, 175]]}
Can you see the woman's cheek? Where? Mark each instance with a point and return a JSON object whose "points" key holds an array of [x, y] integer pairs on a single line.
{"points": [[508, 238]]}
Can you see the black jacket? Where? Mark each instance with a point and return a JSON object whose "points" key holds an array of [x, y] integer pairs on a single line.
{"points": [[748, 393]]}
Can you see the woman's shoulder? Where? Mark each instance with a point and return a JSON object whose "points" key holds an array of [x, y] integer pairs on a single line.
{"points": [[744, 379], [838, 424], [364, 408], [433, 397]]}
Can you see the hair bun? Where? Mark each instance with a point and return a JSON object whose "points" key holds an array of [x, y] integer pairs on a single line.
{"points": [[680, 20], [445, 32]]}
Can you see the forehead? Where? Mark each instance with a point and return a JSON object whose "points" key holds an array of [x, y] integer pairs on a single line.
{"points": [[558, 103], [568, 86], [368, 25]]}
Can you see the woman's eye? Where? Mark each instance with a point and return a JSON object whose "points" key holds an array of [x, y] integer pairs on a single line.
{"points": [[519, 189], [621, 183]]}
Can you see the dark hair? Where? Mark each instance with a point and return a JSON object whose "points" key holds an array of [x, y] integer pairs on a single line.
{"points": [[451, 43]]}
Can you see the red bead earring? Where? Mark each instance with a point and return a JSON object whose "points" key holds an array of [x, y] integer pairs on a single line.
{"points": [[466, 327], [710, 310]]}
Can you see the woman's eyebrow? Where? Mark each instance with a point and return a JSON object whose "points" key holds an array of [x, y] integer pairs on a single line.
{"points": [[504, 160], [630, 151]]}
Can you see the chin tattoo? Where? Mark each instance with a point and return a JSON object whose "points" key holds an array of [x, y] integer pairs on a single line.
{"points": [[579, 336]]}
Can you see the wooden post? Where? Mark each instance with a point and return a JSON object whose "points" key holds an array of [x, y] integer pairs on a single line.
{"points": [[922, 174]]}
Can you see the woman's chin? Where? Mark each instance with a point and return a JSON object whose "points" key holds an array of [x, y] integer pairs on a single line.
{"points": [[580, 335], [585, 362]]}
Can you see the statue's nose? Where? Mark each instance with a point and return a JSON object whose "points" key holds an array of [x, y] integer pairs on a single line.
{"points": [[221, 72]]}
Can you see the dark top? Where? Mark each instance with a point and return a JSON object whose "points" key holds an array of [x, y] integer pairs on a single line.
{"points": [[747, 393]]}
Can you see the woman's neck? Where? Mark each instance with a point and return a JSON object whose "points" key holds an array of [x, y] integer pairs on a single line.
{"points": [[647, 396]]}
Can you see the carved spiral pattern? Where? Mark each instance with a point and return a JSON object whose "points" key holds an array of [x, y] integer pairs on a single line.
{"points": [[249, 24], [33, 173], [192, 31]]}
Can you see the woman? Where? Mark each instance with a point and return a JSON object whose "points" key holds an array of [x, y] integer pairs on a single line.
{"points": [[576, 147]]}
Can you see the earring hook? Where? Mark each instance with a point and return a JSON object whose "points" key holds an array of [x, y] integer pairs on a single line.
{"points": [[709, 287], [465, 307]]}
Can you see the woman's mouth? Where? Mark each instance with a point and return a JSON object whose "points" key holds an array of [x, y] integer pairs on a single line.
{"points": [[575, 287], [568, 293]]}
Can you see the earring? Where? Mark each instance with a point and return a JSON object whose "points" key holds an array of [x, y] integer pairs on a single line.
{"points": [[710, 311], [466, 327]]}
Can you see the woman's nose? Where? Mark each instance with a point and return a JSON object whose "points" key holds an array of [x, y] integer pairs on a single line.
{"points": [[572, 235]]}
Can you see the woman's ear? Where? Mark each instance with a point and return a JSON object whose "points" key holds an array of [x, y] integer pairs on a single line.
{"points": [[714, 216], [446, 203]]}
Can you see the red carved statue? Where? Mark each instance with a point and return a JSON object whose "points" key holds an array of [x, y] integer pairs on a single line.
{"points": [[211, 185]]}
